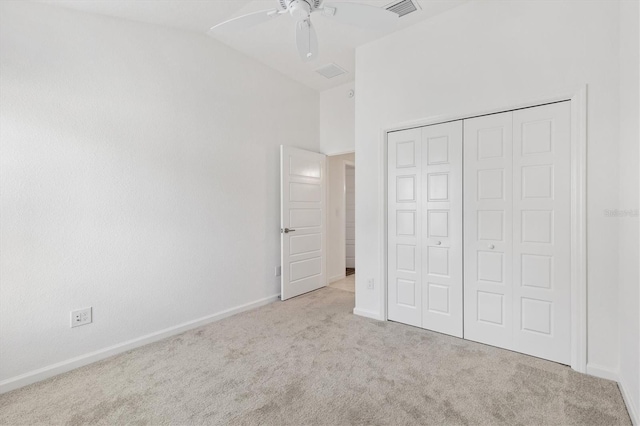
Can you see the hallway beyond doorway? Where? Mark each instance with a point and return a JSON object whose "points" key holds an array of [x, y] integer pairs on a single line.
{"points": [[348, 283]]}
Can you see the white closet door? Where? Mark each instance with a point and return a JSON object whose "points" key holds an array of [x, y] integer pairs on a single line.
{"points": [[404, 227], [488, 286], [517, 231], [442, 228], [541, 231]]}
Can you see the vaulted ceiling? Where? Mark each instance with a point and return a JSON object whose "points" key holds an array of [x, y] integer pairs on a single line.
{"points": [[273, 42]]}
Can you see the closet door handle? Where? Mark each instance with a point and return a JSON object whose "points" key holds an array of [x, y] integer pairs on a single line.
{"points": [[438, 243], [491, 246]]}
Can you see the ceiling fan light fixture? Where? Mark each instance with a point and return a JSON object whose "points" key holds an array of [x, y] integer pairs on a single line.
{"points": [[299, 10]]}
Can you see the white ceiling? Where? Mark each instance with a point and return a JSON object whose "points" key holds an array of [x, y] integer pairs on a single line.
{"points": [[273, 42]]}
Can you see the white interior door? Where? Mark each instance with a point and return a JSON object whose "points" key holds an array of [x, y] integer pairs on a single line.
{"points": [[302, 221], [541, 231], [488, 199], [404, 283], [442, 228], [517, 231], [425, 227]]}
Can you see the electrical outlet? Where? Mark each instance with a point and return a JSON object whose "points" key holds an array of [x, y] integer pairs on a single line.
{"points": [[81, 317], [370, 284], [278, 271]]}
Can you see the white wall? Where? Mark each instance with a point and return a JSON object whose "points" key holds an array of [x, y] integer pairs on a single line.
{"points": [[491, 54], [337, 120], [628, 225], [336, 257], [139, 175]]}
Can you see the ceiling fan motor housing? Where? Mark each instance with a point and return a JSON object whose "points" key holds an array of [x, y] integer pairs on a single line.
{"points": [[284, 4], [299, 10]]}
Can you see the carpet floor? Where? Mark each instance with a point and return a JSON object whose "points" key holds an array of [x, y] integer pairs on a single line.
{"points": [[310, 361]]}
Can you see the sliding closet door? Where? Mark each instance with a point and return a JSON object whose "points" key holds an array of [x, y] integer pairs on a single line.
{"points": [[541, 231], [442, 228], [517, 231], [488, 199], [404, 227]]}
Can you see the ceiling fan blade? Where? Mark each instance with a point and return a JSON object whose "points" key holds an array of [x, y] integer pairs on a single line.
{"points": [[306, 40], [245, 21], [360, 15]]}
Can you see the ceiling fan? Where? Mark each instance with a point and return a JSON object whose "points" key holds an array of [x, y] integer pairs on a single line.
{"points": [[357, 14]]}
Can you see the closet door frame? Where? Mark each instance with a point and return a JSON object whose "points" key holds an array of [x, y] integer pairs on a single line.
{"points": [[578, 99]]}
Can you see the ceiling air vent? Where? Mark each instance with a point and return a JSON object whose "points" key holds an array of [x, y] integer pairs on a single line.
{"points": [[330, 70], [403, 7]]}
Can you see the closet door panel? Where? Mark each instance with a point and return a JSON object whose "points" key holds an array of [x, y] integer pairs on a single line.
{"points": [[404, 283], [541, 224], [488, 229], [514, 255], [441, 207]]}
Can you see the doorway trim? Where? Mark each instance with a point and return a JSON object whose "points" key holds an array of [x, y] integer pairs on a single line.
{"points": [[578, 99]]}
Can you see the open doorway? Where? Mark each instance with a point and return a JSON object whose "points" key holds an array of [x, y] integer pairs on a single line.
{"points": [[341, 222], [350, 217]]}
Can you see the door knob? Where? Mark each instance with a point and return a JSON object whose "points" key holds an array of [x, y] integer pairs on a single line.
{"points": [[438, 243], [287, 230], [491, 246]]}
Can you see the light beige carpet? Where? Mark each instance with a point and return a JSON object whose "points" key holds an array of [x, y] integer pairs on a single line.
{"points": [[309, 360]]}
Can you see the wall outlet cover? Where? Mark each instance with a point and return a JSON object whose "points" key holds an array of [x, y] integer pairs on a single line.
{"points": [[81, 317]]}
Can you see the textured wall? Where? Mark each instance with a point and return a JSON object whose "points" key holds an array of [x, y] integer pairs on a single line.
{"points": [[139, 175], [628, 224], [337, 120]]}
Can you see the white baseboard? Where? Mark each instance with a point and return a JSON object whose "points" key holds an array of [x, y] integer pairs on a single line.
{"points": [[337, 278], [368, 314], [82, 360], [602, 372], [630, 403]]}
